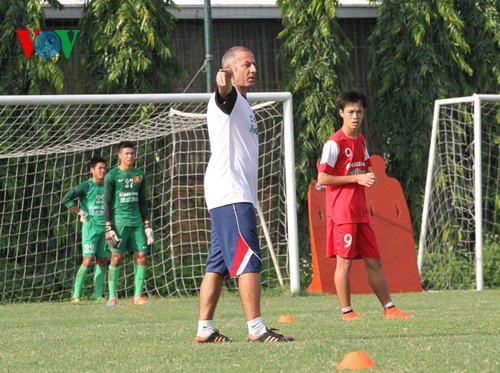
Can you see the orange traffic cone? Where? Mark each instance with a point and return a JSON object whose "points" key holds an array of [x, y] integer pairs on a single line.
{"points": [[286, 319], [356, 360]]}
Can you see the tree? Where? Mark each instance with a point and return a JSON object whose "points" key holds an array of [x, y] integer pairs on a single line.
{"points": [[127, 46], [421, 51], [316, 52], [482, 32], [21, 75]]}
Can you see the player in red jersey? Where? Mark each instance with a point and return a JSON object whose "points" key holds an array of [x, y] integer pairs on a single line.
{"points": [[344, 169]]}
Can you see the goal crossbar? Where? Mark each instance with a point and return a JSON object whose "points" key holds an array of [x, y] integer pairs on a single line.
{"points": [[132, 98]]}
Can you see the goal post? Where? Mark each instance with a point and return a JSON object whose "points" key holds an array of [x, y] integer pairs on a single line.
{"points": [[462, 196], [45, 144]]}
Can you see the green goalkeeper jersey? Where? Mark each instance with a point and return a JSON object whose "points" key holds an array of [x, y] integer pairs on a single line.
{"points": [[125, 200], [90, 199]]}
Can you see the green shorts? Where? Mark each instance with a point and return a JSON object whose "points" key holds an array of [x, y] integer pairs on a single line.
{"points": [[94, 242], [133, 240]]}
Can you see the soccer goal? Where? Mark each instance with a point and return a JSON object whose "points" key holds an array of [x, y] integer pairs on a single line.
{"points": [[460, 220], [45, 143]]}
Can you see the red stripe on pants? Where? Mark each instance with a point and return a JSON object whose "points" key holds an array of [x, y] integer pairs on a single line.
{"points": [[241, 251]]}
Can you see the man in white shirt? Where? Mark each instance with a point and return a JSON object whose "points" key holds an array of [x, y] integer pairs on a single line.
{"points": [[231, 197]]}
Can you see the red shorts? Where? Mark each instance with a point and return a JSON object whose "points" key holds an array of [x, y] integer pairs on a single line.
{"points": [[351, 241]]}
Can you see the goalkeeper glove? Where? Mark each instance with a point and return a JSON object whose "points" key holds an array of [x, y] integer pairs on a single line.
{"points": [[84, 217], [112, 237], [149, 233]]}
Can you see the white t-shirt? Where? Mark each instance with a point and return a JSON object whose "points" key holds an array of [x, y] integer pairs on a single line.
{"points": [[232, 171]]}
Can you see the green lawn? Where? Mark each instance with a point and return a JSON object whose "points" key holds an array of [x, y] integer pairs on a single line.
{"points": [[453, 331]]}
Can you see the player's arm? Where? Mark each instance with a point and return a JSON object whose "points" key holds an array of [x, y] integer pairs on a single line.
{"points": [[326, 168], [69, 201], [108, 199], [84, 216], [143, 207], [325, 178], [366, 180]]}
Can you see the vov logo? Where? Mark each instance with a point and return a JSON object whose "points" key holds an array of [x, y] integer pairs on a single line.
{"points": [[47, 44]]}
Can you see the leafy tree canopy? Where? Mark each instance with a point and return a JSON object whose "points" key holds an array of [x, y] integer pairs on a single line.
{"points": [[421, 51], [20, 75], [127, 46]]}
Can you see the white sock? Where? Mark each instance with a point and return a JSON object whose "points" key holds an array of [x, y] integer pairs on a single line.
{"points": [[346, 309], [205, 328], [389, 305], [256, 327]]}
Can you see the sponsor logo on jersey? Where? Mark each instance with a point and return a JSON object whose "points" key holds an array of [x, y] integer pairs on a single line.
{"points": [[356, 168]]}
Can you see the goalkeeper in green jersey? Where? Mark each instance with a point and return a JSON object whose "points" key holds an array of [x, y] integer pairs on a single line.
{"points": [[127, 223], [90, 207]]}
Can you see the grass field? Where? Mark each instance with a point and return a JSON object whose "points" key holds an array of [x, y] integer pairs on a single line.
{"points": [[453, 331]]}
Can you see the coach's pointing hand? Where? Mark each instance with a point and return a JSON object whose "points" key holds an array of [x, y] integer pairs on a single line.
{"points": [[224, 81]]}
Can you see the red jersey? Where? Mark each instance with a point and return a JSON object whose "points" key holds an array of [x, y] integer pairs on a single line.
{"points": [[343, 156]]}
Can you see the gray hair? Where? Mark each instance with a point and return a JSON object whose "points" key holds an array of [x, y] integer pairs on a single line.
{"points": [[230, 55]]}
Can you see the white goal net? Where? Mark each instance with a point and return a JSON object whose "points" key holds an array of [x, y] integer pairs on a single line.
{"points": [[460, 220], [45, 144]]}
